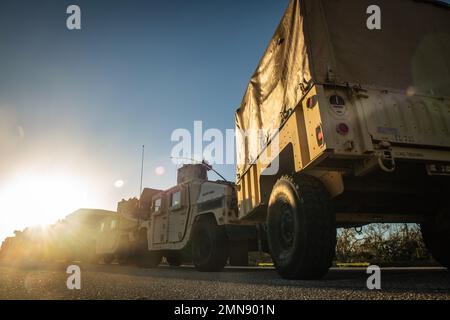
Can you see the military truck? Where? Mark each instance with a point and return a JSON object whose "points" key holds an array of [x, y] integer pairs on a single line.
{"points": [[195, 221], [344, 125], [70, 239]]}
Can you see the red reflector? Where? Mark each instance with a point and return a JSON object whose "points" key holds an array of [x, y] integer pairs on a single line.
{"points": [[311, 102], [319, 136], [342, 129]]}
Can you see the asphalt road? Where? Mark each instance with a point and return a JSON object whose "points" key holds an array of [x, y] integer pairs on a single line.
{"points": [[119, 282]]}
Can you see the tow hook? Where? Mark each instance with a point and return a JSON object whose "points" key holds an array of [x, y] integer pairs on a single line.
{"points": [[387, 162], [359, 230]]}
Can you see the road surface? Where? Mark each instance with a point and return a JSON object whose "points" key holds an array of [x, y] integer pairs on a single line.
{"points": [[127, 282]]}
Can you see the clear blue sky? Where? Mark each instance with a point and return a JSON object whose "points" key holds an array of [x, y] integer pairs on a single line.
{"points": [[83, 102]]}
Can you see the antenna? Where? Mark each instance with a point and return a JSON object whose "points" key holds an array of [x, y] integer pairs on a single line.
{"points": [[142, 171]]}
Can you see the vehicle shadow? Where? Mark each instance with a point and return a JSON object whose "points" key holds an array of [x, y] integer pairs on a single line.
{"points": [[393, 279], [423, 279]]}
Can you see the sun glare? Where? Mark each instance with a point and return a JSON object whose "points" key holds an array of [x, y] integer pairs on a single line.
{"points": [[40, 199], [119, 184]]}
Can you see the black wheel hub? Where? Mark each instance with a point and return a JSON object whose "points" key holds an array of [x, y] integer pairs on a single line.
{"points": [[286, 226]]}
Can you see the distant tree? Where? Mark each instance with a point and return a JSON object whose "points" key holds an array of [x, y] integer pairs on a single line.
{"points": [[382, 244]]}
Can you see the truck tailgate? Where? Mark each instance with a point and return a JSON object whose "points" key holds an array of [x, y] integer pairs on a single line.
{"points": [[403, 119]]}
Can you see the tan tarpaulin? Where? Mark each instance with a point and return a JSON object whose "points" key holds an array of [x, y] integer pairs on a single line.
{"points": [[319, 38]]}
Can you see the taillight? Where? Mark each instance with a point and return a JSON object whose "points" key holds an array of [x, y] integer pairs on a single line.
{"points": [[311, 102], [319, 135]]}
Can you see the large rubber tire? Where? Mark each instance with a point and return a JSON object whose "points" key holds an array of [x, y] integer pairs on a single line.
{"points": [[174, 259], [94, 259], [124, 253], [301, 228], [108, 258], [144, 257], [123, 260], [209, 245], [149, 259], [436, 235]]}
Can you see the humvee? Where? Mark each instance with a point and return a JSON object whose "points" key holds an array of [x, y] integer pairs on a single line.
{"points": [[195, 221], [119, 233], [8, 249], [70, 239], [353, 127], [77, 235]]}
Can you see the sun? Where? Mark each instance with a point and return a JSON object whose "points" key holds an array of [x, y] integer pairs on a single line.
{"points": [[32, 199]]}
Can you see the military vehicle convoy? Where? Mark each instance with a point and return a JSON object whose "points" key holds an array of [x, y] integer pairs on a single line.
{"points": [[197, 220], [70, 239], [119, 234], [340, 126], [194, 222], [355, 125]]}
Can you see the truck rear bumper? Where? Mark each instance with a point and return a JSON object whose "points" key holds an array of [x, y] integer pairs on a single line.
{"points": [[418, 154], [360, 165]]}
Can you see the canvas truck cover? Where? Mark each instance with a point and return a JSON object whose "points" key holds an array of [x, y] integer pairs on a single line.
{"points": [[323, 41]]}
